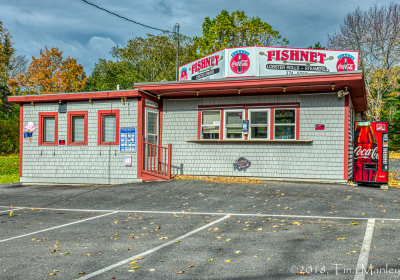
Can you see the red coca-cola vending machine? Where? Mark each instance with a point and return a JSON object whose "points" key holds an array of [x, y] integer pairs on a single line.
{"points": [[371, 152]]}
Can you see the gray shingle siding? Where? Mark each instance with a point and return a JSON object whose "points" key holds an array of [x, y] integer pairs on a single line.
{"points": [[321, 160], [78, 164]]}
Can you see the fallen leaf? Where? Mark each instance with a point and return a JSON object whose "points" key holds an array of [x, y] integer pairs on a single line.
{"points": [[81, 272], [228, 239], [157, 228], [52, 274], [177, 241], [192, 265], [354, 223], [296, 223], [341, 238], [210, 260], [181, 271], [88, 255], [216, 229], [136, 267], [164, 237], [228, 261], [260, 229], [11, 212], [66, 253], [139, 258], [151, 269], [237, 252], [132, 263], [301, 272]]}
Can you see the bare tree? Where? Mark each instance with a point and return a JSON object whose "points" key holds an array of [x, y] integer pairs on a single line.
{"points": [[375, 34]]}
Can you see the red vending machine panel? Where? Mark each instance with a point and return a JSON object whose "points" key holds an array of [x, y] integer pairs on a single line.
{"points": [[371, 152]]}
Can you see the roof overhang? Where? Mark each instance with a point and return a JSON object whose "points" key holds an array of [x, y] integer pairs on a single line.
{"points": [[271, 85], [79, 96]]}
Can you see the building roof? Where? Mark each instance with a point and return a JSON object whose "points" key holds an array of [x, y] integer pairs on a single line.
{"points": [[268, 85]]}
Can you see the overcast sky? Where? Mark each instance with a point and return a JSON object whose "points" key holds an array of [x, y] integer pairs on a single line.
{"points": [[87, 34]]}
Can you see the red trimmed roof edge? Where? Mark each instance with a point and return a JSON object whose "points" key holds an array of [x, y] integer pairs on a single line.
{"points": [[74, 96]]}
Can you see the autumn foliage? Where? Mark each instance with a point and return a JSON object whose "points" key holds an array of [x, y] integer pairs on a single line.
{"points": [[50, 73]]}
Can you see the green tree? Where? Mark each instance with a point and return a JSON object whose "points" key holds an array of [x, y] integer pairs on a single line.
{"points": [[144, 59], [236, 29], [316, 46]]}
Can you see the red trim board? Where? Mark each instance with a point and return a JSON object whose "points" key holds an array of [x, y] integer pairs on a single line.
{"points": [[101, 113], [41, 125], [69, 127], [21, 137], [141, 105]]}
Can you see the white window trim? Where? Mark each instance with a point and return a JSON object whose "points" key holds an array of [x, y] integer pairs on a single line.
{"points": [[225, 126], [207, 125], [286, 124], [268, 124], [147, 134]]}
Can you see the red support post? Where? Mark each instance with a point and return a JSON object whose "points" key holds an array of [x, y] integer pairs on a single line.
{"points": [[169, 160]]}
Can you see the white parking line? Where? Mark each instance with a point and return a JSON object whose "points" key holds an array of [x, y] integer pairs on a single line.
{"points": [[12, 209], [56, 227], [151, 250], [362, 264], [213, 213]]}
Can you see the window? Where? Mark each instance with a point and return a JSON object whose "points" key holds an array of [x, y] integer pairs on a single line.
{"points": [[152, 126], [77, 128], [265, 122], [285, 124], [108, 127], [233, 124], [259, 124], [210, 124], [48, 128]]}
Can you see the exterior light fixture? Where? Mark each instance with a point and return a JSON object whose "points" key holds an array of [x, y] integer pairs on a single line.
{"points": [[90, 100], [333, 86], [32, 103], [197, 93], [158, 97], [239, 91], [122, 99], [284, 89]]}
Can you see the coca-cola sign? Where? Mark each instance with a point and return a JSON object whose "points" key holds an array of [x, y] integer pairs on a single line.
{"points": [[345, 62], [240, 61], [372, 154]]}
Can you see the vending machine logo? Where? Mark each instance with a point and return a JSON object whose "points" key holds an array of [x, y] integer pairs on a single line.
{"points": [[184, 75], [240, 61], [345, 62]]}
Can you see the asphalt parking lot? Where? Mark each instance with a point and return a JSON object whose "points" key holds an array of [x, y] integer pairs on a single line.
{"points": [[199, 230]]}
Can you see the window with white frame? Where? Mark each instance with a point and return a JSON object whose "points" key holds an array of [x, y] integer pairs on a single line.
{"points": [[210, 124], [49, 124], [285, 124], [259, 123], [108, 124], [233, 124]]}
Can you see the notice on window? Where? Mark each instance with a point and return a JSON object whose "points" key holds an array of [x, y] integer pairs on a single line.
{"points": [[127, 139]]}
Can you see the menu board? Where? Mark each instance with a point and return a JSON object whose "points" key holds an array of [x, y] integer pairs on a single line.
{"points": [[127, 139]]}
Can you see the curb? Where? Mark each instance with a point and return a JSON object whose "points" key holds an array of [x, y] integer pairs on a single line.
{"points": [[16, 184]]}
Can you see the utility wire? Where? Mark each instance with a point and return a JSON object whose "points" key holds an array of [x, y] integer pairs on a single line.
{"points": [[125, 18]]}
